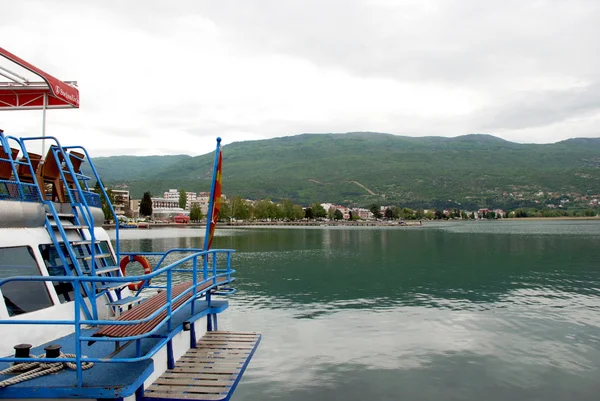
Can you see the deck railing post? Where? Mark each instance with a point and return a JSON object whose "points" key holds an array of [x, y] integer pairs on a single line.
{"points": [[169, 297], [77, 302], [228, 266], [205, 266], [208, 317], [214, 268], [194, 281]]}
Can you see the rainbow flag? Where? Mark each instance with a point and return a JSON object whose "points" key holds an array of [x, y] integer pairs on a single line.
{"points": [[214, 207]]}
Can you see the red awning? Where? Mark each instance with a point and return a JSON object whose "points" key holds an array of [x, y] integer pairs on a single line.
{"points": [[21, 94]]}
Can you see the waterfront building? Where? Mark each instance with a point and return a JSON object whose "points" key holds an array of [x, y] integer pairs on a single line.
{"points": [[121, 201], [173, 194], [166, 209]]}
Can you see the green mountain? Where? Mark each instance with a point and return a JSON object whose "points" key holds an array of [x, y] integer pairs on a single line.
{"points": [[362, 168]]}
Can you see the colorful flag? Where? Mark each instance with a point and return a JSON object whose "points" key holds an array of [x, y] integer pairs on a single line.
{"points": [[215, 200]]}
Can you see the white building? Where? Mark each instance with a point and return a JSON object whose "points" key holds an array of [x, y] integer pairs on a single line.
{"points": [[173, 194], [166, 209], [363, 214], [120, 201], [202, 200]]}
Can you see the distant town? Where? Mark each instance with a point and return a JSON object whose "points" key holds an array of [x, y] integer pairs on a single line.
{"points": [[180, 206]]}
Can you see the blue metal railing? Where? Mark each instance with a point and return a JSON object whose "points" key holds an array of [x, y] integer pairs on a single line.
{"points": [[19, 191], [104, 194], [15, 189], [207, 277], [91, 198], [81, 199], [60, 156]]}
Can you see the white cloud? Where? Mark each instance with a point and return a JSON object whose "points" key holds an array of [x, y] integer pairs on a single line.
{"points": [[163, 78]]}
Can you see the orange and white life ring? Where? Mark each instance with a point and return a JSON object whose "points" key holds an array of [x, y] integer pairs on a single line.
{"points": [[141, 260]]}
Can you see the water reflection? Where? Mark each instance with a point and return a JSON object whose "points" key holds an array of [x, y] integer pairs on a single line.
{"points": [[455, 311]]}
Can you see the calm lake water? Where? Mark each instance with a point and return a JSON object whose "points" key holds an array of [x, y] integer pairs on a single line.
{"points": [[454, 311]]}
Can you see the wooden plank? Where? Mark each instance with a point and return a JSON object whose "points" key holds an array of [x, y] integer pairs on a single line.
{"points": [[206, 370], [183, 390], [223, 356], [233, 336], [187, 364], [225, 346], [226, 361], [184, 396], [202, 358], [202, 376], [211, 351], [214, 357], [190, 388], [219, 338], [194, 382], [223, 343], [229, 339], [231, 333], [190, 383]]}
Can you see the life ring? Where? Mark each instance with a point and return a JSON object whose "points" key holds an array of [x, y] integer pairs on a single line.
{"points": [[145, 264]]}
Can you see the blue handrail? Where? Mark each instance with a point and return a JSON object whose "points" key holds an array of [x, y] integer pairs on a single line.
{"points": [[101, 185], [55, 151], [27, 192], [80, 198], [167, 270]]}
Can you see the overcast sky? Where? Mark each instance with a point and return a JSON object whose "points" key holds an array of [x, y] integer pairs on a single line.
{"points": [[167, 77]]}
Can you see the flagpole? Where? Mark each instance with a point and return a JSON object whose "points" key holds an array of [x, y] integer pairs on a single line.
{"points": [[212, 191]]}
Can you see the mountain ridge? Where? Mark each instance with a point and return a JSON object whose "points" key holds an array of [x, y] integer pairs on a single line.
{"points": [[476, 169]]}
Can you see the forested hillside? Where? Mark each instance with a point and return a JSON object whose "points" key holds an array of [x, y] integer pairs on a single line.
{"points": [[360, 168]]}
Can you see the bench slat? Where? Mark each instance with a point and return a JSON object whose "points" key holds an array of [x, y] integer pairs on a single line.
{"points": [[148, 307]]}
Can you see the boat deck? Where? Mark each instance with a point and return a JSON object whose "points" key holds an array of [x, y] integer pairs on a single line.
{"points": [[211, 371], [104, 380]]}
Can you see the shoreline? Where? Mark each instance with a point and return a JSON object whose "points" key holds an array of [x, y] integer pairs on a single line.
{"points": [[555, 218], [409, 223]]}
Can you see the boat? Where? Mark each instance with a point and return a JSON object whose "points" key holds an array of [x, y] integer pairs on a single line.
{"points": [[74, 324]]}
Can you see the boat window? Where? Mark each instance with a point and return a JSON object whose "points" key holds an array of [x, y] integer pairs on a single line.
{"points": [[55, 267], [22, 296], [104, 247]]}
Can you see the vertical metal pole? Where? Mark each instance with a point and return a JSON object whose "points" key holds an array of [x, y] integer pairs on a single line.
{"points": [[193, 335], [170, 357], [214, 268], [209, 326], [78, 300], [169, 298], [194, 283], [44, 124], [228, 266]]}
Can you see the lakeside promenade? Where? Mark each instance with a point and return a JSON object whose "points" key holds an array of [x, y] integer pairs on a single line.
{"points": [[411, 223], [333, 223]]}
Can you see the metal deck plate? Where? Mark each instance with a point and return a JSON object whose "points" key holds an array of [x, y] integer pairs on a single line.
{"points": [[209, 372]]}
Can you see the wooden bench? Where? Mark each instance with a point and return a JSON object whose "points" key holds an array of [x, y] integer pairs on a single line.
{"points": [[148, 307], [6, 171]]}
